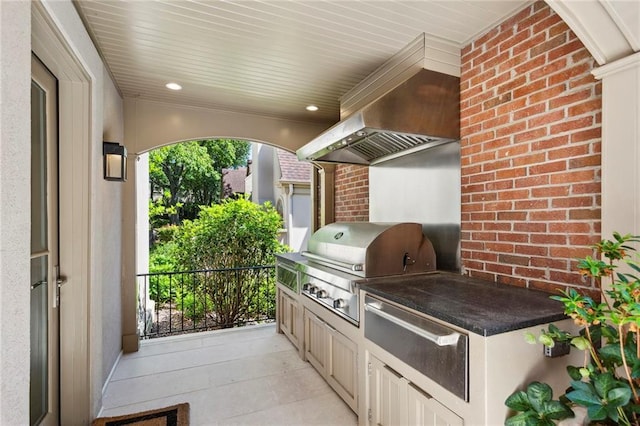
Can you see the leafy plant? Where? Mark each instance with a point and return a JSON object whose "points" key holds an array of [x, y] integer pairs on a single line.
{"points": [[235, 236], [536, 406], [608, 384]]}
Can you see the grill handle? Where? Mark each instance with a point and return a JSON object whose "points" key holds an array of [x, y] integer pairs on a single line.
{"points": [[446, 340], [356, 267]]}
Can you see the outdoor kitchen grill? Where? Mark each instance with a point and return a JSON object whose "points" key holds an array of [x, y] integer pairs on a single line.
{"points": [[342, 255]]}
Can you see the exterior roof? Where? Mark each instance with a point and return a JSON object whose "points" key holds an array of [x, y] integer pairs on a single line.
{"points": [[291, 169], [233, 181]]}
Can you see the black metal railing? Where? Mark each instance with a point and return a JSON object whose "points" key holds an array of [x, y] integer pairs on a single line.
{"points": [[182, 302]]}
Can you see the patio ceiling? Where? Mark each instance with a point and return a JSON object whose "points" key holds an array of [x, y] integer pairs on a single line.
{"points": [[269, 57]]}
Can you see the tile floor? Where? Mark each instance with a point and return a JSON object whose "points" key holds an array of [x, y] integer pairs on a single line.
{"points": [[245, 376]]}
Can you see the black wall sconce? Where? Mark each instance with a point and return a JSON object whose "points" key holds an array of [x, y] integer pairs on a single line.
{"points": [[115, 161]]}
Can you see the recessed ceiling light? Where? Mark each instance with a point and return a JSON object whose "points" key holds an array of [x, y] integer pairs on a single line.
{"points": [[173, 86], [312, 108]]}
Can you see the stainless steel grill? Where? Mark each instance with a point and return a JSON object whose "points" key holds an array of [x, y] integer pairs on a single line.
{"points": [[342, 255]]}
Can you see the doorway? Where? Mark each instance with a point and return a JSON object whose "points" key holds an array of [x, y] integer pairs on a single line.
{"points": [[44, 314]]}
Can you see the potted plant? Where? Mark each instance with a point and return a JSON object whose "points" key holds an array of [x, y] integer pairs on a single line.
{"points": [[607, 385]]}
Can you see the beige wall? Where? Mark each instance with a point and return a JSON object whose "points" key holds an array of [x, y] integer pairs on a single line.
{"points": [[15, 130], [152, 124]]}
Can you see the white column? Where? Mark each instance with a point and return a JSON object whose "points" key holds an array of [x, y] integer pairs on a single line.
{"points": [[620, 145]]}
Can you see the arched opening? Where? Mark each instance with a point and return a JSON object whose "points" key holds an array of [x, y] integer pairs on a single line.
{"points": [[174, 182]]}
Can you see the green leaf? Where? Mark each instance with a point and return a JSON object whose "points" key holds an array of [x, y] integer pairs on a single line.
{"points": [[574, 372], [538, 394], [597, 412], [619, 396], [518, 401], [546, 340], [530, 338], [580, 343], [586, 398], [528, 418], [604, 383], [556, 410]]}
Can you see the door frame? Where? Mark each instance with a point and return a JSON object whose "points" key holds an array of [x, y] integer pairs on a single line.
{"points": [[41, 76], [75, 137]]}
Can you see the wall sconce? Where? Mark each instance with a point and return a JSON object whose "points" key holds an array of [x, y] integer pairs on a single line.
{"points": [[115, 161]]}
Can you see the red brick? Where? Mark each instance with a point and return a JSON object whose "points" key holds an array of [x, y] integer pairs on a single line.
{"points": [[586, 107], [543, 48], [512, 216], [547, 94], [587, 135], [531, 250], [527, 182], [536, 204], [568, 153], [530, 227], [570, 125], [588, 161], [572, 202], [526, 160], [549, 143], [544, 119], [513, 237], [499, 268], [511, 129], [509, 174], [499, 247], [551, 239], [587, 188], [573, 176], [548, 215], [550, 191], [570, 98], [519, 194]]}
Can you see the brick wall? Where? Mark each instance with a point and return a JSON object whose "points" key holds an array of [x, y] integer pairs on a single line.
{"points": [[530, 126], [351, 193]]}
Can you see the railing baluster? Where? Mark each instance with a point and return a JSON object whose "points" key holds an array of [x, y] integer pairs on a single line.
{"points": [[238, 296]]}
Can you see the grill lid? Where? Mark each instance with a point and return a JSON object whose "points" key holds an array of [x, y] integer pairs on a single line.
{"points": [[370, 249]]}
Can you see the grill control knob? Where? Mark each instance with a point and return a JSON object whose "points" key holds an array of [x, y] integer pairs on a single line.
{"points": [[321, 294], [312, 289], [339, 303], [306, 286]]}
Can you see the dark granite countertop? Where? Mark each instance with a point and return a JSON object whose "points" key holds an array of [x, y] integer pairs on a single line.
{"points": [[482, 307]]}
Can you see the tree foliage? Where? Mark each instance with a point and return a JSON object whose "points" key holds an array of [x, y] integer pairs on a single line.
{"points": [[234, 236], [187, 175]]}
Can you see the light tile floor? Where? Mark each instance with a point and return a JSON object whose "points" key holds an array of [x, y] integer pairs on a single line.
{"points": [[244, 376]]}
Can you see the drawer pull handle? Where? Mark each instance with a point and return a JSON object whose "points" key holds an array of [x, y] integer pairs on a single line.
{"points": [[446, 340]]}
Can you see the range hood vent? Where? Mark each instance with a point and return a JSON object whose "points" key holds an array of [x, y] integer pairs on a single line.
{"points": [[421, 112]]}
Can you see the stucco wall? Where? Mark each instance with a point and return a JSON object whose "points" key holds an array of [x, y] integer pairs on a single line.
{"points": [[15, 130], [108, 292]]}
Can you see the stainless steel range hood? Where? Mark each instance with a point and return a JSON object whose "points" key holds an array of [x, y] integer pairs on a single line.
{"points": [[421, 112]]}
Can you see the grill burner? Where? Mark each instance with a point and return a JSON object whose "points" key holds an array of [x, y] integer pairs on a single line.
{"points": [[341, 255]]}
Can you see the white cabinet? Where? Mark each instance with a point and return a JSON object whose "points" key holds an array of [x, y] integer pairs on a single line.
{"points": [[334, 355], [394, 400], [315, 342], [386, 395], [424, 410], [342, 366], [289, 318]]}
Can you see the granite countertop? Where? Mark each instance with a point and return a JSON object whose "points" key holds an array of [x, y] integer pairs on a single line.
{"points": [[480, 306]]}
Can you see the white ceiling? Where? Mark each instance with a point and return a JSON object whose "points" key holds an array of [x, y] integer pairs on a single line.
{"points": [[269, 57]]}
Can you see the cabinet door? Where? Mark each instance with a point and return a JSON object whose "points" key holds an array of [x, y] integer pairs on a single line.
{"points": [[342, 367], [288, 318], [315, 341], [284, 319], [424, 410], [387, 395]]}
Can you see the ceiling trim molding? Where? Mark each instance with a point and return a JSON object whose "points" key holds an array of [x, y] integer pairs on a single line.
{"points": [[629, 62], [595, 27]]}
